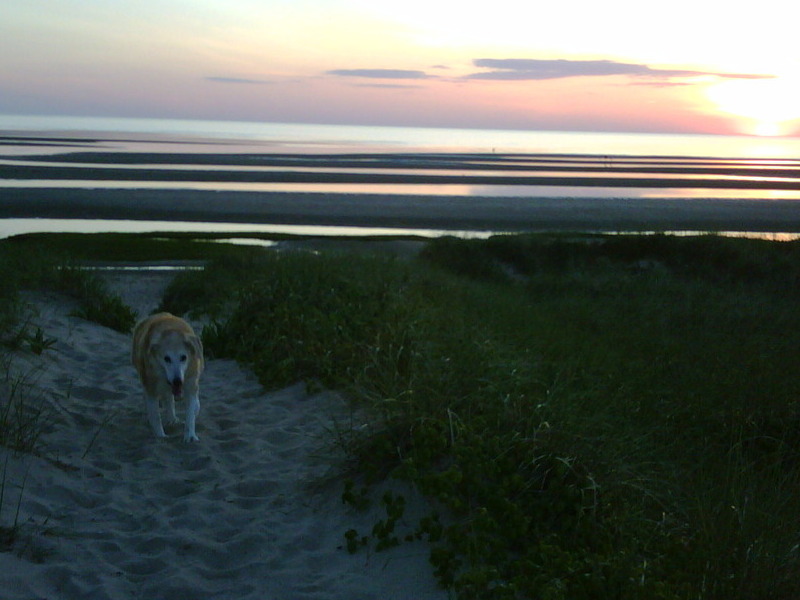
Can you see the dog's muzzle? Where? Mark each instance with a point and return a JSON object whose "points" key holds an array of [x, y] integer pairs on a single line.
{"points": [[177, 387]]}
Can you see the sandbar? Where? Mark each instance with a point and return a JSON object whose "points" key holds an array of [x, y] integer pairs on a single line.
{"points": [[407, 211]]}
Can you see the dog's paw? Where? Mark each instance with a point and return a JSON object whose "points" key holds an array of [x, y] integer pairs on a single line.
{"points": [[190, 437]]}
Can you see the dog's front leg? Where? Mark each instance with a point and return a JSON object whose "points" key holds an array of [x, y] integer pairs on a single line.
{"points": [[192, 409], [172, 418], [154, 416]]}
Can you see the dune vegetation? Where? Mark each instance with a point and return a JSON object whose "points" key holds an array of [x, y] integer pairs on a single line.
{"points": [[589, 416]]}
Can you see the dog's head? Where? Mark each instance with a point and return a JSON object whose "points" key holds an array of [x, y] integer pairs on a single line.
{"points": [[175, 351]]}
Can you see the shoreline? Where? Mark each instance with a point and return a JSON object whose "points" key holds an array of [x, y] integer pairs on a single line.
{"points": [[405, 211]]}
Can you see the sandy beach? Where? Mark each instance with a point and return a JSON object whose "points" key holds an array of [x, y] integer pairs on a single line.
{"points": [[406, 211], [252, 511]]}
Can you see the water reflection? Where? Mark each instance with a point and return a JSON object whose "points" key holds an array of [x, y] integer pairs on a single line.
{"points": [[12, 227], [487, 191]]}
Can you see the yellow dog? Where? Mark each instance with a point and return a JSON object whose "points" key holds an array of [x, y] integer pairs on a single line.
{"points": [[168, 356]]}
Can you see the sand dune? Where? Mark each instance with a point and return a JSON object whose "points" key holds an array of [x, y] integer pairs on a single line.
{"points": [[251, 511]]}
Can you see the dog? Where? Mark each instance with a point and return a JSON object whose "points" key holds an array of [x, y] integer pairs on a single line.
{"points": [[168, 356]]}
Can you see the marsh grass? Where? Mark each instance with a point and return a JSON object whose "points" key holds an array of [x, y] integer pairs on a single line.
{"points": [[122, 246]]}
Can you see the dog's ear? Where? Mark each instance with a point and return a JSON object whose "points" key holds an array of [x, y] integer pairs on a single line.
{"points": [[195, 345]]}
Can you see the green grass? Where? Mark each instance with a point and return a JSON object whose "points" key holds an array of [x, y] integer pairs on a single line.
{"points": [[121, 246], [96, 302], [593, 417], [154, 246]]}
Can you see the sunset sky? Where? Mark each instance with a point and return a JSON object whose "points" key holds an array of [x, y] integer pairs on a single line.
{"points": [[621, 65]]}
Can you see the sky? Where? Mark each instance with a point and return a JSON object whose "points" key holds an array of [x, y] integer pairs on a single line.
{"points": [[683, 66]]}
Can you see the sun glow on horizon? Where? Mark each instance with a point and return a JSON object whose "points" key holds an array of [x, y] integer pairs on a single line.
{"points": [[507, 65], [767, 129], [767, 107]]}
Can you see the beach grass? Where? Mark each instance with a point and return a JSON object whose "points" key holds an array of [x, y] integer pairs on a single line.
{"points": [[35, 267], [589, 416], [592, 417], [23, 414]]}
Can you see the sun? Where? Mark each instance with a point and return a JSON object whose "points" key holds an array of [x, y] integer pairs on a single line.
{"points": [[766, 106], [765, 128]]}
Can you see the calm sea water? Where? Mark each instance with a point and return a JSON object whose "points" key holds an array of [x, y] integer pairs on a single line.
{"points": [[282, 137]]}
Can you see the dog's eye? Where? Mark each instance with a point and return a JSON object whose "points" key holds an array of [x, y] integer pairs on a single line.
{"points": [[167, 359], [183, 358]]}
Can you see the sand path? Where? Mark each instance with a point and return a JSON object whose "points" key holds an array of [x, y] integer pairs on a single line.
{"points": [[248, 512]]}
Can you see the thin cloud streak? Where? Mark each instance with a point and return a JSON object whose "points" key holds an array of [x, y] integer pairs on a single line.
{"points": [[527, 69], [387, 86], [531, 69], [380, 73], [237, 80]]}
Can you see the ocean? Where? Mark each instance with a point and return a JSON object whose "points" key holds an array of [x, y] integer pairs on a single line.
{"points": [[288, 137], [125, 153]]}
